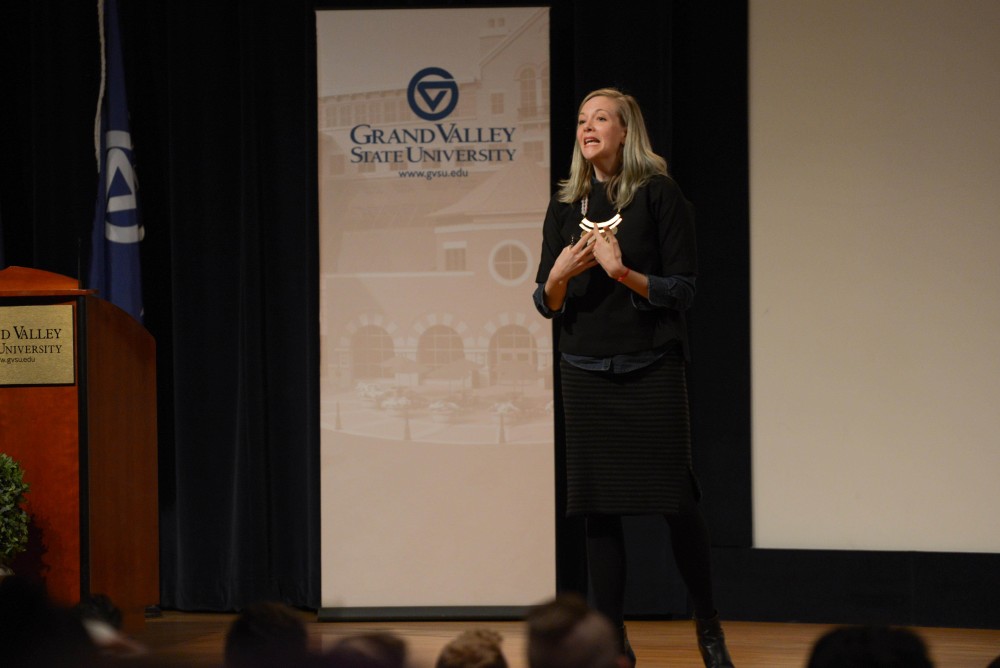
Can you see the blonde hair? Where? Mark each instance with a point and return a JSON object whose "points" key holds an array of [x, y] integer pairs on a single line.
{"points": [[475, 648], [639, 163]]}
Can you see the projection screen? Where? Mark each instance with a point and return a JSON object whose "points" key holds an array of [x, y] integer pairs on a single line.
{"points": [[875, 232]]}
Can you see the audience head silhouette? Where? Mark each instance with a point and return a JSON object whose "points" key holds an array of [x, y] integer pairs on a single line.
{"points": [[869, 647], [476, 648], [35, 632], [567, 633], [368, 650], [266, 635]]}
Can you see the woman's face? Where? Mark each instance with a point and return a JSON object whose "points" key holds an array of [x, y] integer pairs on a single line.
{"points": [[601, 135]]}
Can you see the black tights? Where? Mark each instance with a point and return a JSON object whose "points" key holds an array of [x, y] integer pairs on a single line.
{"points": [[606, 561]]}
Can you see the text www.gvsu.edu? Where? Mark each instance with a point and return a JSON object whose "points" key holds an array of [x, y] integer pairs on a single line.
{"points": [[430, 174]]}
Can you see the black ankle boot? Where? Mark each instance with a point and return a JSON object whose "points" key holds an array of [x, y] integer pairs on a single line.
{"points": [[625, 646], [712, 643]]}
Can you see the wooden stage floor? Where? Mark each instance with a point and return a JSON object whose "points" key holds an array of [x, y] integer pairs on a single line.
{"points": [[196, 639]]}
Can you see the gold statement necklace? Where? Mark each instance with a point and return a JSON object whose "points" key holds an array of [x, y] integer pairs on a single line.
{"points": [[611, 224]]}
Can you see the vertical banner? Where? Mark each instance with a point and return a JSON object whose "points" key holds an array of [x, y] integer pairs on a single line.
{"points": [[113, 267], [436, 449]]}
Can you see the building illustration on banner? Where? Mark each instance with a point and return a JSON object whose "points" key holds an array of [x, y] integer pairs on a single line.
{"points": [[432, 195]]}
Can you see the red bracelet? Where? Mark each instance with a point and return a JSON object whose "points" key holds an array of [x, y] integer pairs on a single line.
{"points": [[622, 277]]}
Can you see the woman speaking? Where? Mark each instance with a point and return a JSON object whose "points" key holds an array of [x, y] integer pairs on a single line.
{"points": [[617, 271]]}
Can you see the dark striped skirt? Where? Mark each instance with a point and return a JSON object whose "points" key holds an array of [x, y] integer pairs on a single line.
{"points": [[628, 440]]}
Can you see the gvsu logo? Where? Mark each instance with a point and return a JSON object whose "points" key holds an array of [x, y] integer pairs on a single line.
{"points": [[432, 93]]}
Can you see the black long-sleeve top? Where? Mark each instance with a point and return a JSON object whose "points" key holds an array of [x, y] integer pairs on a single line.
{"points": [[602, 318]]}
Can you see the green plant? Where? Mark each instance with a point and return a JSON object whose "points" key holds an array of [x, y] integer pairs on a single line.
{"points": [[13, 518]]}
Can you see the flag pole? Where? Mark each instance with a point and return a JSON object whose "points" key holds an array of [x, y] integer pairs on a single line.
{"points": [[100, 90]]}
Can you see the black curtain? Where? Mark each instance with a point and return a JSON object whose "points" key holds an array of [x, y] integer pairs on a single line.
{"points": [[223, 102], [686, 64], [231, 88]]}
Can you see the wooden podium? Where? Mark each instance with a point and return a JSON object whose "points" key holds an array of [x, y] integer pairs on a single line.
{"points": [[86, 441]]}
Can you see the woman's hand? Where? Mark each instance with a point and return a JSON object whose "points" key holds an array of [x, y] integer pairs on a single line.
{"points": [[609, 255], [573, 260], [607, 252]]}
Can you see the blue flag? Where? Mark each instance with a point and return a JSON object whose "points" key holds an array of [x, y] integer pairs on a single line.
{"points": [[113, 269]]}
